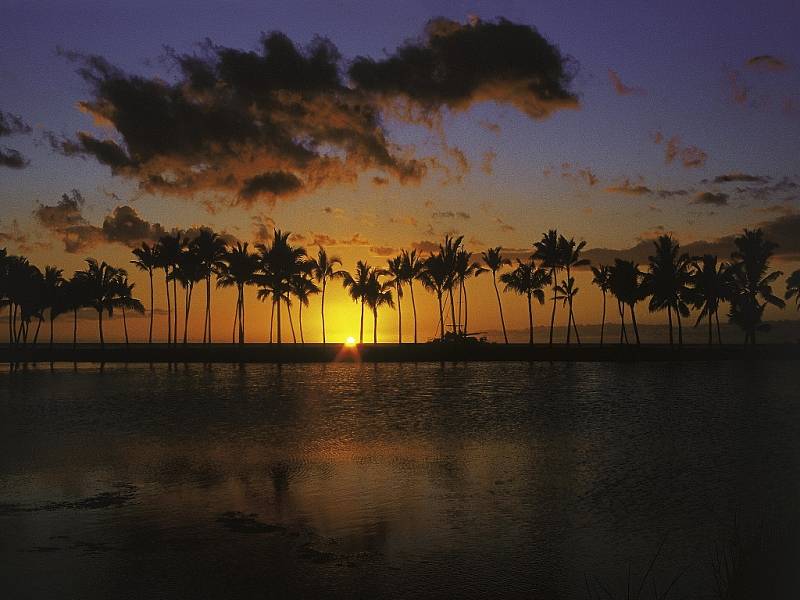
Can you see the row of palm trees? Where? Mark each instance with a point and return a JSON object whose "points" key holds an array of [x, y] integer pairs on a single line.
{"points": [[285, 275]]}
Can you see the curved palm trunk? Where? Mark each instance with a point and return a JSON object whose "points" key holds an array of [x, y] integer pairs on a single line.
{"points": [[324, 285], [553, 317], [669, 317], [460, 294], [719, 333], [189, 291], [680, 327], [710, 330], [169, 307], [207, 322], [635, 327], [374, 325], [500, 306], [278, 311], [241, 314], [38, 327], [414, 309], [575, 327], [125, 326], [452, 310], [175, 312], [291, 322], [74, 328], [466, 313], [399, 317], [271, 319], [623, 333], [51, 331], [361, 330], [152, 299], [569, 325], [603, 320], [530, 321], [300, 323], [441, 313], [100, 326]]}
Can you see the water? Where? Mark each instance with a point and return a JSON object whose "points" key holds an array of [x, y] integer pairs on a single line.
{"points": [[407, 480]]}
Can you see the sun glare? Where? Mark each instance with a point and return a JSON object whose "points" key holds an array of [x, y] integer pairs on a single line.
{"points": [[350, 342]]}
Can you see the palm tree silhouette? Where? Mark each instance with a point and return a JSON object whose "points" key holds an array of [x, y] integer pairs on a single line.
{"points": [[75, 298], [170, 248], [601, 279], [434, 278], [324, 269], [238, 268], [396, 269], [494, 260], [626, 284], [188, 271], [376, 295], [209, 249], [449, 252], [356, 286], [566, 291], [101, 284], [464, 269], [53, 294], [126, 301], [412, 269], [571, 259], [303, 288], [550, 252], [752, 282], [668, 282], [711, 284], [147, 261], [527, 280], [793, 288]]}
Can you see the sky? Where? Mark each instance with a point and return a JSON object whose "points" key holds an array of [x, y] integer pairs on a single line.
{"points": [[631, 120]]}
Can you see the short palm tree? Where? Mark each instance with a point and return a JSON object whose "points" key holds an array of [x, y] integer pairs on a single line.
{"points": [[302, 288], [527, 280], [147, 261], [549, 251], [434, 278], [566, 292], [356, 285], [600, 278], [324, 268], [625, 283], [125, 300], [493, 258], [711, 284], [668, 282], [571, 259], [101, 284]]}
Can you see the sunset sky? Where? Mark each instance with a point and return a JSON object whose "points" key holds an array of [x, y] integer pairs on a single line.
{"points": [[630, 121]]}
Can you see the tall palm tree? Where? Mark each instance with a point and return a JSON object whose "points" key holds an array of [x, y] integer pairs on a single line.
{"points": [[53, 294], [434, 278], [465, 268], [170, 248], [188, 271], [493, 258], [324, 269], [126, 301], [752, 282], [550, 252], [527, 280], [75, 297], [238, 268], [396, 270], [377, 294], [147, 260], [601, 280], [357, 287], [449, 251], [668, 282], [571, 259], [412, 268], [101, 284], [793, 288], [302, 288], [626, 284], [711, 284], [209, 248]]}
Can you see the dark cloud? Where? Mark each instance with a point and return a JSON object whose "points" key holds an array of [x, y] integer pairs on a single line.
{"points": [[123, 225], [269, 185], [689, 156], [629, 189], [621, 88], [455, 65], [12, 124], [714, 198], [263, 226], [766, 62], [671, 193], [449, 214], [769, 192], [425, 247], [737, 176], [12, 159], [382, 250]]}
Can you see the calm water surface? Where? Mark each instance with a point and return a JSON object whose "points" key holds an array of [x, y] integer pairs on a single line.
{"points": [[407, 480]]}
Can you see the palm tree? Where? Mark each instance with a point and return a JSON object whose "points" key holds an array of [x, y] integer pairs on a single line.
{"points": [[75, 297], [464, 269], [434, 278], [752, 282], [550, 252], [601, 280], [494, 260], [238, 268], [377, 294], [323, 270], [53, 294], [101, 284], [209, 248], [126, 301], [412, 268], [169, 249], [571, 259], [449, 251], [625, 283], [566, 291], [188, 270], [668, 282], [357, 287], [793, 288], [303, 288], [527, 280], [147, 260], [396, 269], [711, 284]]}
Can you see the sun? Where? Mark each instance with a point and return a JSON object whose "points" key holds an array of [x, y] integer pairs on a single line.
{"points": [[350, 342]]}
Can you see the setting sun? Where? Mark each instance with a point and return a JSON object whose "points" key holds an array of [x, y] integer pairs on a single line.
{"points": [[350, 341]]}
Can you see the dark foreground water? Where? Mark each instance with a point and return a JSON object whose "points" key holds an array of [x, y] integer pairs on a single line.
{"points": [[404, 480]]}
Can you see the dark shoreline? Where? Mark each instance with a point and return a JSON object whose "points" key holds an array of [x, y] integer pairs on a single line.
{"points": [[427, 352]]}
